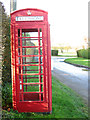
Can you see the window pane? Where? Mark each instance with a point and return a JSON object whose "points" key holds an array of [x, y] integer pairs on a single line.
{"points": [[18, 32], [40, 41], [31, 88], [30, 69], [29, 42], [18, 41], [30, 60], [40, 51], [40, 32], [30, 51], [29, 32], [30, 78]]}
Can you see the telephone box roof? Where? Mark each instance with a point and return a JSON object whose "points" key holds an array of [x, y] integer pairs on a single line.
{"points": [[34, 9]]}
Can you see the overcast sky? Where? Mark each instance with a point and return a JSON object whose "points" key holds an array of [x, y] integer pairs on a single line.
{"points": [[68, 18]]}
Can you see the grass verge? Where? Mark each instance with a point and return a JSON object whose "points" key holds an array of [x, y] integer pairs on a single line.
{"points": [[67, 55], [65, 104], [79, 61]]}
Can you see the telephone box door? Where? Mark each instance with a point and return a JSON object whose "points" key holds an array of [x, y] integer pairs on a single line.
{"points": [[30, 69]]}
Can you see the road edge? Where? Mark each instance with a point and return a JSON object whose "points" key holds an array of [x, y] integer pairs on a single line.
{"points": [[77, 65]]}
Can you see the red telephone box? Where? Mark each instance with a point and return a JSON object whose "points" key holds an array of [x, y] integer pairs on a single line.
{"points": [[31, 61]]}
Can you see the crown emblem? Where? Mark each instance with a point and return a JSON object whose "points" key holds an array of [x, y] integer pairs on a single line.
{"points": [[29, 13]]}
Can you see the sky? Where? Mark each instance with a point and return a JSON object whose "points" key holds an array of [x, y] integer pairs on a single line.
{"points": [[68, 19]]}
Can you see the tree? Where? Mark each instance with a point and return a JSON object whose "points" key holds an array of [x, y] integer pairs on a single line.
{"points": [[6, 61], [61, 47], [67, 47]]}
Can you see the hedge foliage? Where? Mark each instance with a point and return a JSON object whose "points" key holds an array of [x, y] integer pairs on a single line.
{"points": [[6, 61], [84, 53], [6, 57], [54, 52], [7, 95]]}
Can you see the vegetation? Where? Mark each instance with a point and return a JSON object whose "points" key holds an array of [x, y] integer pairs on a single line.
{"points": [[65, 104], [54, 52], [68, 55], [84, 53], [79, 61], [7, 96], [61, 47], [6, 66]]}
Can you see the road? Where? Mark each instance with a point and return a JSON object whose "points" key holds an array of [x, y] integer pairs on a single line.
{"points": [[72, 76]]}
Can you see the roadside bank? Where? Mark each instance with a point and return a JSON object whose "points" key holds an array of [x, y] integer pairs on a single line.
{"points": [[79, 62]]}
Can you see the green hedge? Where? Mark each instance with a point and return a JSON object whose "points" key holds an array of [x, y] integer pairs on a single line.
{"points": [[6, 57], [54, 52], [84, 53], [7, 95]]}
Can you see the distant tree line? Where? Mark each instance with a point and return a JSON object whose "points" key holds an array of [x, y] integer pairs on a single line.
{"points": [[61, 47]]}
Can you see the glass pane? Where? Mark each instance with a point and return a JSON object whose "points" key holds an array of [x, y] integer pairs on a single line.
{"points": [[41, 96], [30, 60], [40, 51], [42, 78], [19, 69], [40, 41], [30, 51], [18, 32], [29, 41], [18, 51], [29, 32], [30, 69], [19, 61], [41, 59], [40, 32], [41, 69], [20, 86], [31, 78], [41, 88], [31, 88], [18, 41]]}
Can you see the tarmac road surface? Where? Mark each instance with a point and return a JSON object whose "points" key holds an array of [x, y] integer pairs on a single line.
{"points": [[72, 76]]}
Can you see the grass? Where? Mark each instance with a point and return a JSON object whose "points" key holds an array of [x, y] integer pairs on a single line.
{"points": [[65, 104], [79, 61], [67, 55]]}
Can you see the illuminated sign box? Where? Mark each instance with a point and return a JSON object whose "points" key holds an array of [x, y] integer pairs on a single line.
{"points": [[29, 18]]}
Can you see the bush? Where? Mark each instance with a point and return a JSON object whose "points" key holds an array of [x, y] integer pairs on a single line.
{"points": [[88, 53], [7, 95], [84, 53], [54, 52], [78, 53]]}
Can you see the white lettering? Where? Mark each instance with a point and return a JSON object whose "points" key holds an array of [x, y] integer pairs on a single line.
{"points": [[29, 18]]}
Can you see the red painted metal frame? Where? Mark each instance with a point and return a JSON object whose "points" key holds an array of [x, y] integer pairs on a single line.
{"points": [[19, 103]]}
